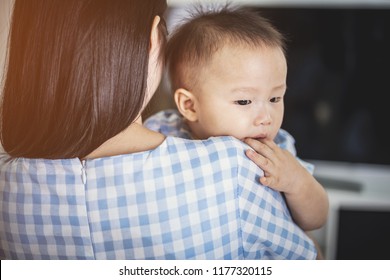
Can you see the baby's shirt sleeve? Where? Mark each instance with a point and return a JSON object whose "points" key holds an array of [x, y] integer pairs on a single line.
{"points": [[287, 142], [169, 123]]}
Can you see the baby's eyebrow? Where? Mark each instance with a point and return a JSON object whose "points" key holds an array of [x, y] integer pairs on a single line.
{"points": [[282, 86], [253, 90], [244, 89]]}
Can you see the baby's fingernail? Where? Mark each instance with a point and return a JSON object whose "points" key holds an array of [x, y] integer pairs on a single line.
{"points": [[251, 153]]}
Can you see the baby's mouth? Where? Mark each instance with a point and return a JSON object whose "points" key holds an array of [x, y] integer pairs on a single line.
{"points": [[260, 137]]}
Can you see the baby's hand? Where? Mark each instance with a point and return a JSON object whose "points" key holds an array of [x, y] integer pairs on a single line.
{"points": [[281, 169]]}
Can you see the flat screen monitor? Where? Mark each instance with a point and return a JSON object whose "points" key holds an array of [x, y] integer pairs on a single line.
{"points": [[359, 231]]}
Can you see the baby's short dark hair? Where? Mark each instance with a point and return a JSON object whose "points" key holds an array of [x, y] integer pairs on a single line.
{"points": [[193, 44]]}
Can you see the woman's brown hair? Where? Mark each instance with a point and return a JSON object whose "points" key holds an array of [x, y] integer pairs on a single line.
{"points": [[76, 74]]}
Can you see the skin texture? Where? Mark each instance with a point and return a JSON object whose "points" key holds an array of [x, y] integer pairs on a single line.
{"points": [[246, 89], [240, 94]]}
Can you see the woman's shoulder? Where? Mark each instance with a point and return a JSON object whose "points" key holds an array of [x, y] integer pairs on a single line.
{"points": [[224, 151], [220, 145]]}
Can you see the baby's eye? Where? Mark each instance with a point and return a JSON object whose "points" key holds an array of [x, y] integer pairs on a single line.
{"points": [[275, 99], [243, 102]]}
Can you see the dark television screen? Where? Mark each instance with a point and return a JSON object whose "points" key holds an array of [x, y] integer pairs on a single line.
{"points": [[338, 82]]}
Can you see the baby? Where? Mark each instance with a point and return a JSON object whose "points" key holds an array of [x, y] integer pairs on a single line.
{"points": [[228, 70]]}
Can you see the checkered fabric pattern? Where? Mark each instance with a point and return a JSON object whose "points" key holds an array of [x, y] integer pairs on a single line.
{"points": [[171, 123], [183, 200]]}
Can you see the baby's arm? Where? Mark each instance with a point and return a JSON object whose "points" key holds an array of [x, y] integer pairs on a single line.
{"points": [[306, 198]]}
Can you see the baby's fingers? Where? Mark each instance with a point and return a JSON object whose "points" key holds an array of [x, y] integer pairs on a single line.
{"points": [[259, 147], [266, 165], [257, 158]]}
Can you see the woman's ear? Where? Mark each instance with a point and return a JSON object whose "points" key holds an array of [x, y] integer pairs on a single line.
{"points": [[185, 102], [154, 35]]}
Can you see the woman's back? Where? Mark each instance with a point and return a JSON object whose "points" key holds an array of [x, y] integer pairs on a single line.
{"points": [[183, 200]]}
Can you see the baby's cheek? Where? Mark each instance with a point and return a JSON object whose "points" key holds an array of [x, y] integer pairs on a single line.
{"points": [[237, 130]]}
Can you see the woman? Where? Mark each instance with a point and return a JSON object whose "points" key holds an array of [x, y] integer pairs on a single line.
{"points": [[81, 178]]}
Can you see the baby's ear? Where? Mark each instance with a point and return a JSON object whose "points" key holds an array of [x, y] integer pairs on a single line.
{"points": [[185, 102]]}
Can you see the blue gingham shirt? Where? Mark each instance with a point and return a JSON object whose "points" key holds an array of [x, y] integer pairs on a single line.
{"points": [[171, 123], [182, 200]]}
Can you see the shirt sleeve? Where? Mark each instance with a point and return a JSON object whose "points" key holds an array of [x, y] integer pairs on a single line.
{"points": [[287, 142], [169, 123]]}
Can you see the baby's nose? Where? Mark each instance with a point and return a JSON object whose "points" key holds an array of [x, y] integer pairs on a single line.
{"points": [[263, 118]]}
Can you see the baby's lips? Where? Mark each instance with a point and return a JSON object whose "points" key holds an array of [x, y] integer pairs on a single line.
{"points": [[260, 137]]}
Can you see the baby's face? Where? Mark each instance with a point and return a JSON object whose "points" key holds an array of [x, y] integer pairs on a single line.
{"points": [[241, 93]]}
